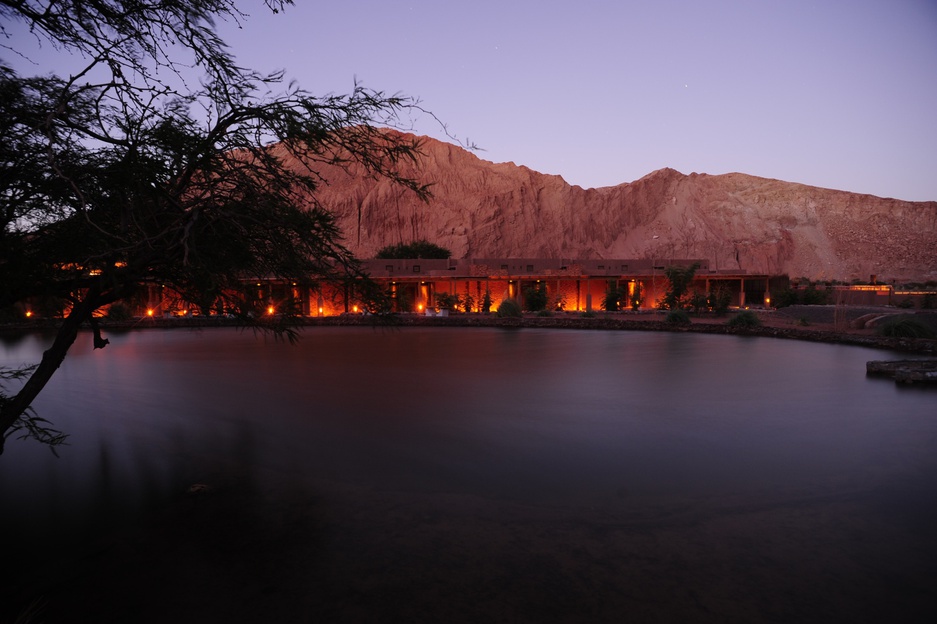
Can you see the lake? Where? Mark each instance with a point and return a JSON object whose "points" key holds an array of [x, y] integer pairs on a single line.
{"points": [[474, 474]]}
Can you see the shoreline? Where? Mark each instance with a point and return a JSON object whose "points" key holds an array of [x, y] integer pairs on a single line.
{"points": [[772, 326]]}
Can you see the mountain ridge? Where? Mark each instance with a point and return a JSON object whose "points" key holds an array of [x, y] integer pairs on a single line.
{"points": [[736, 221]]}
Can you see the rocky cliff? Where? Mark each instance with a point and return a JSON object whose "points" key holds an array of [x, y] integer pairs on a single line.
{"points": [[737, 221]]}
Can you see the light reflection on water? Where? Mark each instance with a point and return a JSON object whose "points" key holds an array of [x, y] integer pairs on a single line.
{"points": [[536, 414], [625, 422]]}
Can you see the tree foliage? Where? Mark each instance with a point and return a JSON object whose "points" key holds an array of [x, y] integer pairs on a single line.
{"points": [[416, 249], [123, 174], [614, 297], [535, 297], [679, 279]]}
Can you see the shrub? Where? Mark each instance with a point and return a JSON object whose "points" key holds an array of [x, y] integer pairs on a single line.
{"points": [[416, 249], [906, 327], [677, 317], [535, 297], [745, 318], [812, 296], [699, 302], [544, 313], [785, 298], [679, 279], [449, 301], [509, 308], [905, 303], [719, 299], [611, 302], [119, 311]]}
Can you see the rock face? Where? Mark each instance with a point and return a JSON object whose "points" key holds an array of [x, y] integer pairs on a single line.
{"points": [[483, 209]]}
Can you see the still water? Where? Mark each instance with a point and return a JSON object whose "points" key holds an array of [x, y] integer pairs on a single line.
{"points": [[525, 475]]}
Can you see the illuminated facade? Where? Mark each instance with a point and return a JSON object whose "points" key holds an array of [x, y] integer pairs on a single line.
{"points": [[418, 285]]}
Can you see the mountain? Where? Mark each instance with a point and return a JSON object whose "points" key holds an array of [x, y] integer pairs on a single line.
{"points": [[483, 209]]}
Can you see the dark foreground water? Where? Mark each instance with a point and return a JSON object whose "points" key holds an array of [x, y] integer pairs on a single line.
{"points": [[470, 475]]}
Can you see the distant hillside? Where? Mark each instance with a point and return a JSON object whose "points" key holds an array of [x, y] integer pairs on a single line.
{"points": [[737, 221]]}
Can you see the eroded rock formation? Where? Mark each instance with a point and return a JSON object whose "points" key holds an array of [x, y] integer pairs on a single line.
{"points": [[737, 221]]}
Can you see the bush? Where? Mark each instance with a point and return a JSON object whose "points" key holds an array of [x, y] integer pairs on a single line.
{"points": [[611, 302], [535, 297], [905, 303], [119, 312], [416, 249], [509, 308], [785, 298], [677, 317], [719, 299], [699, 302], [812, 296], [906, 327], [745, 318]]}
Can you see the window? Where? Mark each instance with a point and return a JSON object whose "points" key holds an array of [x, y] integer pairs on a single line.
{"points": [[416, 268], [530, 268], [389, 268]]}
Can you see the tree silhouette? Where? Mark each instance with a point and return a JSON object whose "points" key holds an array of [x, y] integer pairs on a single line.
{"points": [[122, 174]]}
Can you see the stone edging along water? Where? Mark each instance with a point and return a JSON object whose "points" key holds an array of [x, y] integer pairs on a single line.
{"points": [[608, 323]]}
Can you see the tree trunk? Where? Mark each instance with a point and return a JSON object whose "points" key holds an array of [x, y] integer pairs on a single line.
{"points": [[51, 360]]}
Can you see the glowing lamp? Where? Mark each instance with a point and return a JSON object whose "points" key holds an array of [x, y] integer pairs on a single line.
{"points": [[28, 313], [149, 312], [269, 309]]}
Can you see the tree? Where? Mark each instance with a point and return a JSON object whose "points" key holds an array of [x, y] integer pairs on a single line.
{"points": [[535, 297], [614, 295], [680, 279], [417, 249], [122, 175]]}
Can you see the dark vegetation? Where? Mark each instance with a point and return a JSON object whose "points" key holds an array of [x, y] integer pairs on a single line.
{"points": [[416, 249], [153, 165], [907, 326], [509, 308], [745, 318], [811, 295], [535, 298], [677, 317]]}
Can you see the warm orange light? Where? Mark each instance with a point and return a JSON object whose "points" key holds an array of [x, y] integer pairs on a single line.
{"points": [[28, 313], [419, 308], [269, 309], [354, 309], [320, 310], [149, 312]]}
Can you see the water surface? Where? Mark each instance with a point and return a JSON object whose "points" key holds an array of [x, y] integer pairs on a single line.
{"points": [[511, 475]]}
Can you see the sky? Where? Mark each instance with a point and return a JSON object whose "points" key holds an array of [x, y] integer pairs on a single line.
{"points": [[836, 94]]}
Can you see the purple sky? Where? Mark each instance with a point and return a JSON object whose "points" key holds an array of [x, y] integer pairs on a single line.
{"points": [[837, 94]]}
